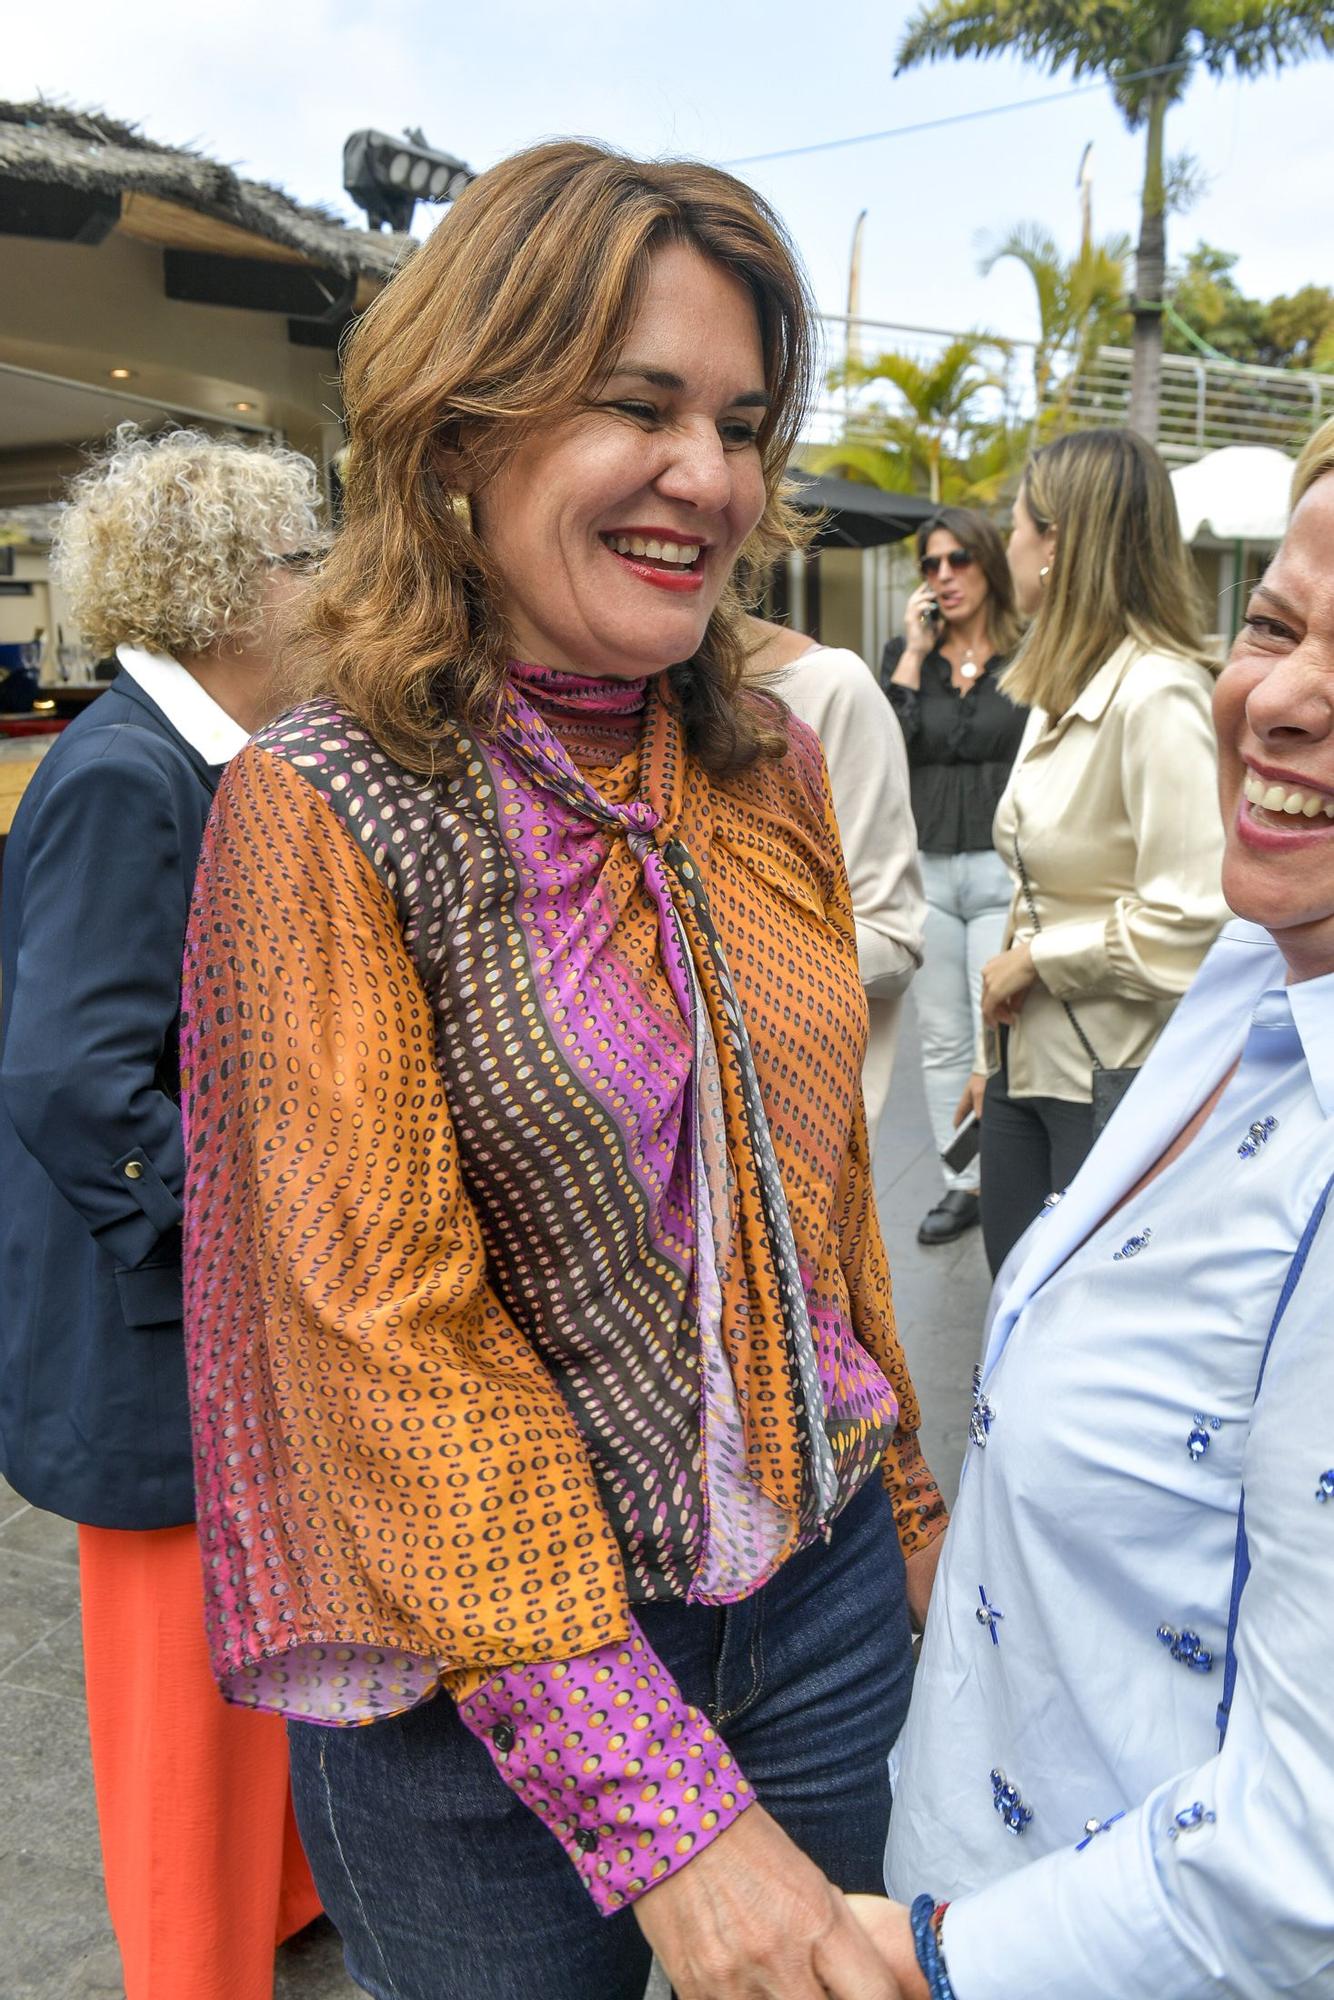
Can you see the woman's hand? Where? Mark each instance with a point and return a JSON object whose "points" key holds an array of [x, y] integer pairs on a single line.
{"points": [[919, 635], [889, 1927], [1005, 985], [920, 1574], [974, 1091], [751, 1918]]}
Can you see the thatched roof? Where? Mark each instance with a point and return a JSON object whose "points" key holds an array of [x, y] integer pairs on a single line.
{"points": [[56, 145]]}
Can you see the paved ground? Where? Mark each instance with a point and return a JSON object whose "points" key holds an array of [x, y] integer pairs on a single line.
{"points": [[55, 1943]]}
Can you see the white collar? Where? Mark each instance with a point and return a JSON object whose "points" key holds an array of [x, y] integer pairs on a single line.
{"points": [[190, 710]]}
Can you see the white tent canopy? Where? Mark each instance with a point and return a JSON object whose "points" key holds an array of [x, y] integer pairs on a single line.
{"points": [[1238, 494]]}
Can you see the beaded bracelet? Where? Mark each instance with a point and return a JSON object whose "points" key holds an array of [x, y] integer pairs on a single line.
{"points": [[926, 1915]]}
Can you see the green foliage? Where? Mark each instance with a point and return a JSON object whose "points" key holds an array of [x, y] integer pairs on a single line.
{"points": [[1081, 300], [1118, 39], [916, 443], [939, 434], [1294, 331], [1147, 50], [1299, 331]]}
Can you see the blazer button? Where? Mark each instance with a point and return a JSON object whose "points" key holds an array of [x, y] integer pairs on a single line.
{"points": [[585, 1840], [134, 1170], [503, 1738]]}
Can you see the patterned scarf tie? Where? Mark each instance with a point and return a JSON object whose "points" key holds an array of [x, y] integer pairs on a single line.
{"points": [[770, 1471]]}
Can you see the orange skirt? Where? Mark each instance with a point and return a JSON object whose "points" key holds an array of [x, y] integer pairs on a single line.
{"points": [[204, 1868]]}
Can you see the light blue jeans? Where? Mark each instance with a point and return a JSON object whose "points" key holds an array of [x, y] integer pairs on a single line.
{"points": [[967, 903]]}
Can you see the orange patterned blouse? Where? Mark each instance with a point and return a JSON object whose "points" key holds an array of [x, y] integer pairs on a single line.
{"points": [[532, 1263]]}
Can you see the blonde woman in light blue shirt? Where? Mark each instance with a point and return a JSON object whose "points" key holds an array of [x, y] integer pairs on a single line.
{"points": [[1118, 1770]]}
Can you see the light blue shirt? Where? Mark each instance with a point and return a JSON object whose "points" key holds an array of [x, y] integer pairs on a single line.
{"points": [[1115, 1427]]}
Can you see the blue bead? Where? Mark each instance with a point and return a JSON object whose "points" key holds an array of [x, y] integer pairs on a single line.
{"points": [[1189, 1819], [1188, 1648], [1325, 1490], [1015, 1815], [1256, 1136]]}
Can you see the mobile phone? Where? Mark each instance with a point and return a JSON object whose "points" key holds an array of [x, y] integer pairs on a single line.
{"points": [[963, 1147], [930, 614]]}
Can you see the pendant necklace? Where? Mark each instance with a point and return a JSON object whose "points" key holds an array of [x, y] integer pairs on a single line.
{"points": [[968, 669]]}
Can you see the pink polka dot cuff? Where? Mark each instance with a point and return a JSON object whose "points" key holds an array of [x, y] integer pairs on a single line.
{"points": [[630, 1778]]}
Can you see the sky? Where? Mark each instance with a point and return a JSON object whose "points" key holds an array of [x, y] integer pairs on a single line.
{"points": [[275, 90]]}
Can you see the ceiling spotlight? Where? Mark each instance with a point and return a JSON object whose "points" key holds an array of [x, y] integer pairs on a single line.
{"points": [[121, 374], [388, 178], [242, 407]]}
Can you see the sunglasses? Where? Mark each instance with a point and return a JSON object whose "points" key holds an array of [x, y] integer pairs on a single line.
{"points": [[957, 559]]}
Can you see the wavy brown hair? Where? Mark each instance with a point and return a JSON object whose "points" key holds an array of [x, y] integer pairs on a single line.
{"points": [[498, 326], [981, 537]]}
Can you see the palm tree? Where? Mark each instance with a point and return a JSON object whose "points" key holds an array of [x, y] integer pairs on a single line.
{"points": [[1080, 300], [1148, 50], [898, 449]]}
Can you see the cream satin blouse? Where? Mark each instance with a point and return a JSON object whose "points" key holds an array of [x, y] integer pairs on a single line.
{"points": [[1115, 809]]}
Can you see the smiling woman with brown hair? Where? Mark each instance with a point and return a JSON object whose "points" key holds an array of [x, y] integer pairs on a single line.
{"points": [[551, 1415], [412, 627]]}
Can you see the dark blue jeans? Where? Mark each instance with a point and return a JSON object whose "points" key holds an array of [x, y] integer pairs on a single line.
{"points": [[445, 1887]]}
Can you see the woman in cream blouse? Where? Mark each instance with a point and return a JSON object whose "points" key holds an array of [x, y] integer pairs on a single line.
{"points": [[1109, 824]]}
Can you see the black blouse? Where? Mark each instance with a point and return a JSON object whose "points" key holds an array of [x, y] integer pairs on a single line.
{"points": [[960, 749]]}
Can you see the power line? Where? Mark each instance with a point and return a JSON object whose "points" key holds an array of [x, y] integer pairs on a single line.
{"points": [[957, 117]]}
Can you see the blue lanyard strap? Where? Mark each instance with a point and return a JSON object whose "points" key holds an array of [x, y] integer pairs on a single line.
{"points": [[1241, 1566]]}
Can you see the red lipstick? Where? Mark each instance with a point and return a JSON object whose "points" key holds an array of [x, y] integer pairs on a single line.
{"points": [[674, 577]]}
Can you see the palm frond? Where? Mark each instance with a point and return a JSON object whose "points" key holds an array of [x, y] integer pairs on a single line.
{"points": [[865, 463]]}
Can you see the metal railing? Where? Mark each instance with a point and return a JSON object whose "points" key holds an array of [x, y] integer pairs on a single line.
{"points": [[1205, 404]]}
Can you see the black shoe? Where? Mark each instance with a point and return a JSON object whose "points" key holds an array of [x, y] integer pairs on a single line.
{"points": [[953, 1213]]}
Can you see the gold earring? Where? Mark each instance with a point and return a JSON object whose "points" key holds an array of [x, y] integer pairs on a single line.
{"points": [[460, 506]]}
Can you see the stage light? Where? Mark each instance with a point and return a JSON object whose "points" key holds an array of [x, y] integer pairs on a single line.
{"points": [[388, 177]]}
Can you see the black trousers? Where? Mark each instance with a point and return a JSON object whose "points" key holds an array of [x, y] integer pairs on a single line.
{"points": [[1030, 1147]]}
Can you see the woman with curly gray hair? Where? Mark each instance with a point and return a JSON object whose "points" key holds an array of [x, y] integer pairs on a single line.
{"points": [[177, 553]]}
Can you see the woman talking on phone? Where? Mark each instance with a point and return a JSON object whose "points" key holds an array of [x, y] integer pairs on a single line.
{"points": [[942, 678]]}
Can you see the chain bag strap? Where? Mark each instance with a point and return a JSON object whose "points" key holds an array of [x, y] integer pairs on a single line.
{"points": [[1109, 1086]]}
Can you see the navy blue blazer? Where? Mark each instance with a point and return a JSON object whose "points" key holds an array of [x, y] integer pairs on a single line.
{"points": [[98, 874]]}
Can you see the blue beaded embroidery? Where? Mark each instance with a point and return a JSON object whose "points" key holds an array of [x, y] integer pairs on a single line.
{"points": [[1188, 1648], [1005, 1797], [987, 1614], [1197, 1443], [1189, 1819], [1093, 1827], [1325, 1490], [1256, 1137], [1132, 1246], [982, 1416]]}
